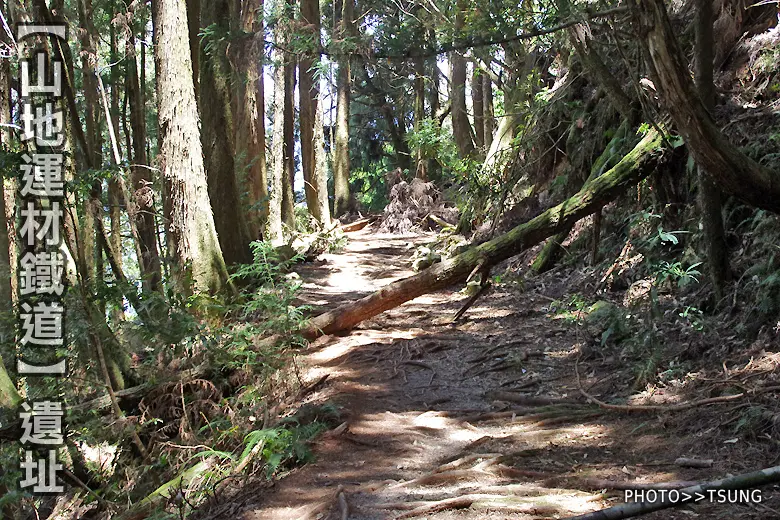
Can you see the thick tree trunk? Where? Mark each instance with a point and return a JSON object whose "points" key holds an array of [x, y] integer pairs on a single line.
{"points": [[143, 212], [193, 28], [217, 135], [288, 179], [710, 205], [192, 235], [250, 113], [341, 164], [732, 170], [273, 230], [309, 93], [461, 128], [637, 164]]}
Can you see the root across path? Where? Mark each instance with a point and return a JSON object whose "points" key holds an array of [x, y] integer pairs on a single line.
{"points": [[481, 418]]}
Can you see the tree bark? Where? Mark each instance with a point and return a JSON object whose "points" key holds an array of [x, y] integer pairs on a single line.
{"points": [[7, 268], [288, 179], [216, 109], [341, 163], [143, 212], [488, 111], [636, 165], [731, 169], [192, 235], [478, 102], [419, 115], [311, 134], [461, 128], [273, 230], [710, 204], [250, 113]]}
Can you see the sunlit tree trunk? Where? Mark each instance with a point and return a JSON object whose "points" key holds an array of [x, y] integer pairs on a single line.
{"points": [[288, 179], [273, 230], [341, 163], [314, 177], [192, 236]]}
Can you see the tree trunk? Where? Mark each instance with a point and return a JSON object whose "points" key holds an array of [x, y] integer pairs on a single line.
{"points": [[478, 102], [288, 179], [419, 115], [143, 212], [94, 141], [192, 236], [636, 165], [273, 230], [193, 28], [732, 170], [114, 191], [549, 254], [341, 164], [434, 167], [309, 93], [7, 268], [250, 113], [217, 140], [710, 205], [461, 128], [488, 112]]}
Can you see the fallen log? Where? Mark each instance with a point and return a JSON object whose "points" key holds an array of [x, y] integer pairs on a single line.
{"points": [[631, 509], [646, 156]]}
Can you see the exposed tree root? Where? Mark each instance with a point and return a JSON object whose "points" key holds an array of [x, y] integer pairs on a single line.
{"points": [[667, 408]]}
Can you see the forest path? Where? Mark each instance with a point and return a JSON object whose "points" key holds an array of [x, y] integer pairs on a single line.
{"points": [[424, 420]]}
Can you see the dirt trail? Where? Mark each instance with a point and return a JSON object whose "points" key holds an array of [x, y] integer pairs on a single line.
{"points": [[417, 392]]}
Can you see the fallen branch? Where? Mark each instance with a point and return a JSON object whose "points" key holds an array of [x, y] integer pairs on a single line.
{"points": [[528, 400], [628, 510]]}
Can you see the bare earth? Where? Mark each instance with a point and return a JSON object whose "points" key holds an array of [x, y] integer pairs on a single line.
{"points": [[423, 421]]}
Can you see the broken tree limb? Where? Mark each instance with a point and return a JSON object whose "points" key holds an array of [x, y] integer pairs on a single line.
{"points": [[646, 156], [631, 509], [732, 170]]}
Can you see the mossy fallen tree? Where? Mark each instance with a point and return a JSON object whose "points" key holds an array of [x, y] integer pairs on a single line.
{"points": [[646, 156], [550, 253]]}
